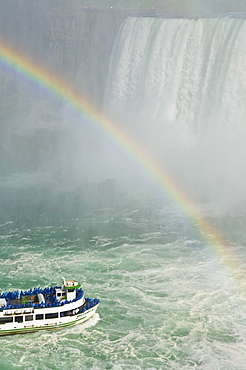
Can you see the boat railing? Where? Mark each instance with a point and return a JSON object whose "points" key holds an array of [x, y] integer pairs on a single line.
{"points": [[89, 303]]}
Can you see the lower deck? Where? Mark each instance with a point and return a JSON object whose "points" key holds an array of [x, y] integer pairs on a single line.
{"points": [[43, 321]]}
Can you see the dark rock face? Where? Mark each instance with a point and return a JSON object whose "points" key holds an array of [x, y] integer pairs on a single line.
{"points": [[74, 43], [64, 37]]}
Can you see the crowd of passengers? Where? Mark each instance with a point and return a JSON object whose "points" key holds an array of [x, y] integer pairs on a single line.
{"points": [[48, 293]]}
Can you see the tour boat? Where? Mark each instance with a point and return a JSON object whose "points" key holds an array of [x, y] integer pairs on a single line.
{"points": [[45, 309]]}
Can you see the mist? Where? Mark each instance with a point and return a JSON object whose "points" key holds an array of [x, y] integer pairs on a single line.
{"points": [[180, 84], [176, 84]]}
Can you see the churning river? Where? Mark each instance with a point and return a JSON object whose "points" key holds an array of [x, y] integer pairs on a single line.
{"points": [[167, 300]]}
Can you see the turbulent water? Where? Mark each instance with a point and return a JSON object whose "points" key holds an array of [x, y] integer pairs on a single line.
{"points": [[169, 298]]}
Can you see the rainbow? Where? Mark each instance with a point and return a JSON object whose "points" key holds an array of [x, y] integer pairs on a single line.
{"points": [[131, 147]]}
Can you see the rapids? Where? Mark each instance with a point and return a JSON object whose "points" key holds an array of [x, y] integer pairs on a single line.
{"points": [[167, 300]]}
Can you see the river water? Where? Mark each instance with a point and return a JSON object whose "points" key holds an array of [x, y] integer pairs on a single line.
{"points": [[167, 299]]}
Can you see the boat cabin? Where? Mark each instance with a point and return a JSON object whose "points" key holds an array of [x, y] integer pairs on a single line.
{"points": [[67, 291]]}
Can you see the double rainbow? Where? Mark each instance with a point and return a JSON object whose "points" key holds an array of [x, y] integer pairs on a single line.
{"points": [[130, 146]]}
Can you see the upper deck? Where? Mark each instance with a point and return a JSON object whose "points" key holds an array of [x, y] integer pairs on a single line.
{"points": [[41, 298]]}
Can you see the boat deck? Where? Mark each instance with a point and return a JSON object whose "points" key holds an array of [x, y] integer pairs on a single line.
{"points": [[31, 299]]}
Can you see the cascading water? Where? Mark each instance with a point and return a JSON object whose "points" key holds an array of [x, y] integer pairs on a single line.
{"points": [[180, 86], [170, 299], [183, 70]]}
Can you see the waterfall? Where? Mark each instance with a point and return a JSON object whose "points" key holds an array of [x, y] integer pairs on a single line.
{"points": [[180, 86], [182, 70]]}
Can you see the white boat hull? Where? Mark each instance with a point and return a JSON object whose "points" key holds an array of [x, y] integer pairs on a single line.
{"points": [[36, 325]]}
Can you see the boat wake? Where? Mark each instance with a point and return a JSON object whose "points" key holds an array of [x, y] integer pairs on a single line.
{"points": [[80, 328]]}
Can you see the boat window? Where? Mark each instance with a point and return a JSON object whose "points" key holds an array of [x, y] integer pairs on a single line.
{"points": [[40, 316], [53, 315], [68, 313], [28, 317], [18, 318], [4, 320]]}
